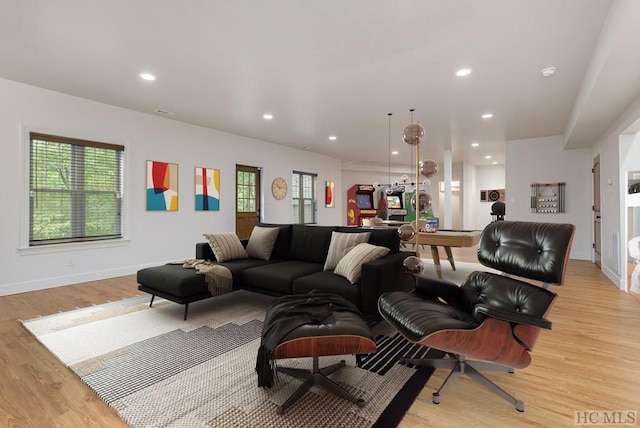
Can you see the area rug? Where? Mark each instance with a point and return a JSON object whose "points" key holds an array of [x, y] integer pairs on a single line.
{"points": [[157, 370]]}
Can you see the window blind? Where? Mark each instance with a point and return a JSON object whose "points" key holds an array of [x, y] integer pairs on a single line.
{"points": [[304, 197], [75, 190]]}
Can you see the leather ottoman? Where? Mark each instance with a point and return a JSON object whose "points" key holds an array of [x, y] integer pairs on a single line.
{"points": [[314, 325]]}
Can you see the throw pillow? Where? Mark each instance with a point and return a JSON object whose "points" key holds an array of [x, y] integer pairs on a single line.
{"points": [[341, 244], [351, 264], [226, 246], [261, 242]]}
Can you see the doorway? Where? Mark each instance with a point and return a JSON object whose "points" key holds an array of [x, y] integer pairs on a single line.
{"points": [[596, 212], [247, 200]]}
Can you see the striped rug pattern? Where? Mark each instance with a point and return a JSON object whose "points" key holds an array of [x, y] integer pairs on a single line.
{"points": [[157, 370]]}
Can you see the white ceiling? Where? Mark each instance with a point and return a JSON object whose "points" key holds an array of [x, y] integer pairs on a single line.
{"points": [[337, 67]]}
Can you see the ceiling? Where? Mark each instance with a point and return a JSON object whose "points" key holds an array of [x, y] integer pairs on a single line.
{"points": [[338, 67]]}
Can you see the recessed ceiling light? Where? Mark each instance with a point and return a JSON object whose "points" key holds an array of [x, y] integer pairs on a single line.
{"points": [[267, 116], [494, 163], [333, 137], [464, 72], [549, 71], [487, 115], [395, 152], [147, 76], [487, 157], [475, 144]]}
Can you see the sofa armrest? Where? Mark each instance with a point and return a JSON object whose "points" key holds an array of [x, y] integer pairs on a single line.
{"points": [[380, 276], [204, 251]]}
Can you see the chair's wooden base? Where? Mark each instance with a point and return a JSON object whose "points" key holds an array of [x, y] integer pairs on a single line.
{"points": [[317, 376], [459, 365]]}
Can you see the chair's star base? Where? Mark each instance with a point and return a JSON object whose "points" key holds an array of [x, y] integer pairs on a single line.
{"points": [[317, 376], [459, 365]]}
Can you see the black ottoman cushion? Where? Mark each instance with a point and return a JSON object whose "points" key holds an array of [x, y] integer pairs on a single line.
{"points": [[337, 324]]}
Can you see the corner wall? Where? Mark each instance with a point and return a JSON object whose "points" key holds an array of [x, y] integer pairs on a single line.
{"points": [[543, 160], [615, 150]]}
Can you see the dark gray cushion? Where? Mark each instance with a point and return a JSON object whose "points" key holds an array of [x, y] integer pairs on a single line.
{"points": [[281, 247], [310, 243], [261, 242], [237, 268], [328, 282], [381, 237], [278, 276]]}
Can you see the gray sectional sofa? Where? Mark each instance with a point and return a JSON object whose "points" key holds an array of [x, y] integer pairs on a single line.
{"points": [[296, 266]]}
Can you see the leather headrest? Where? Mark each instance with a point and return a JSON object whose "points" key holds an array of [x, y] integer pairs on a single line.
{"points": [[538, 251]]}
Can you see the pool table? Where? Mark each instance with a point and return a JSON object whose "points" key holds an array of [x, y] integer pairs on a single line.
{"points": [[447, 239]]}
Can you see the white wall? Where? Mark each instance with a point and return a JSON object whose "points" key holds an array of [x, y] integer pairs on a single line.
{"points": [[630, 221], [152, 237], [456, 198], [488, 177], [614, 162], [543, 160]]}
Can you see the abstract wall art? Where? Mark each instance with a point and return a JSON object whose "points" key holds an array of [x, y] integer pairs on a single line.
{"points": [[207, 189], [329, 195], [162, 186]]}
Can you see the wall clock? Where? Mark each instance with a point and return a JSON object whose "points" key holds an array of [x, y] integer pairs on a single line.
{"points": [[279, 188]]}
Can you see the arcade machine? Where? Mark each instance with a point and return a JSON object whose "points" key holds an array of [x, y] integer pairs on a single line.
{"points": [[425, 210], [360, 204], [395, 206]]}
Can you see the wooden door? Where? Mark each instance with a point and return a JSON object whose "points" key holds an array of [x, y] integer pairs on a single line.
{"points": [[596, 212], [247, 200]]}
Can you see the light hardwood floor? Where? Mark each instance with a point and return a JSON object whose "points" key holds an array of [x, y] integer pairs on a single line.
{"points": [[588, 361]]}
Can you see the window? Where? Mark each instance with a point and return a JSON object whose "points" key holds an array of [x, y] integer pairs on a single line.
{"points": [[75, 190], [247, 199], [303, 193], [245, 191]]}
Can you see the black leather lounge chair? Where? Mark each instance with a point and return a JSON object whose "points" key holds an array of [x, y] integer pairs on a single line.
{"points": [[492, 318]]}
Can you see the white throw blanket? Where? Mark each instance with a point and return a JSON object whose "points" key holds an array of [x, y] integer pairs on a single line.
{"points": [[218, 278]]}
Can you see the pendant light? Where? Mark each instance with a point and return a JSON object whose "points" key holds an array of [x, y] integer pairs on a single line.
{"points": [[389, 186], [413, 135]]}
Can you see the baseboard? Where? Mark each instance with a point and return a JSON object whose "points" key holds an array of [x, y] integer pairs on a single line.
{"points": [[60, 281], [614, 277]]}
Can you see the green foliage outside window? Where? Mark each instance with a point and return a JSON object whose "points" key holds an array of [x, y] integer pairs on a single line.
{"points": [[75, 190]]}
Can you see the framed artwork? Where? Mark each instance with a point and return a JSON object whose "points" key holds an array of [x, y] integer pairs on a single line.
{"points": [[162, 186], [329, 196], [207, 189]]}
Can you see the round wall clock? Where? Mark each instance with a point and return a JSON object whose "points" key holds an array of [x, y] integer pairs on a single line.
{"points": [[279, 188]]}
